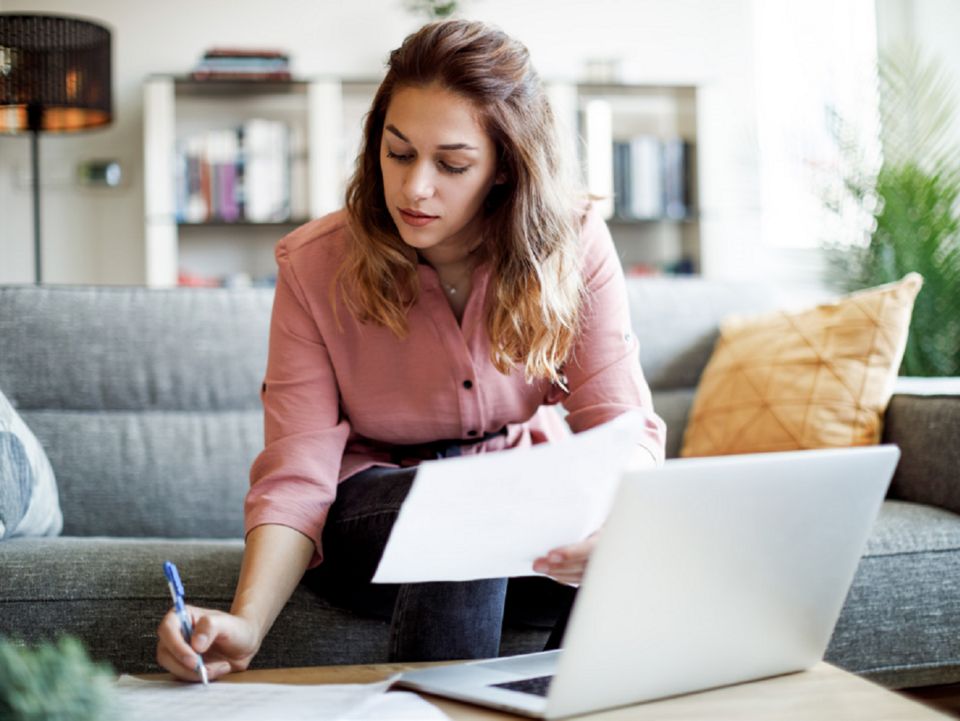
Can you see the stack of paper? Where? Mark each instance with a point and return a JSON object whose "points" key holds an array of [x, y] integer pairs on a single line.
{"points": [[176, 701], [491, 515]]}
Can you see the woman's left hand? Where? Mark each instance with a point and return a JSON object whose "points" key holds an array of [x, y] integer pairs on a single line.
{"points": [[566, 564]]}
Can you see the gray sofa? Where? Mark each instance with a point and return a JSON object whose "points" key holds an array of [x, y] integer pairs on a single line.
{"points": [[147, 404]]}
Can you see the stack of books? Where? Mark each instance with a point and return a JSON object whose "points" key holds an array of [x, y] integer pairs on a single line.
{"points": [[651, 178], [239, 64], [254, 173]]}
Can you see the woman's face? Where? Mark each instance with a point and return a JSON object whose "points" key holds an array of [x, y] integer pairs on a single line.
{"points": [[438, 166]]}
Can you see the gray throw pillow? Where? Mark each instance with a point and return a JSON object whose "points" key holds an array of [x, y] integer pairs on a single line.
{"points": [[29, 504]]}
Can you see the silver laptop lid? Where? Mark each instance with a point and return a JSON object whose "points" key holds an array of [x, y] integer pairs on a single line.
{"points": [[718, 570]]}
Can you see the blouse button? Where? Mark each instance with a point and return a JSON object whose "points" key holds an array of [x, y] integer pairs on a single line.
{"points": [[471, 433], [468, 384]]}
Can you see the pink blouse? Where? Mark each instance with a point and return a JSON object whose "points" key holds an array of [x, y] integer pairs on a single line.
{"points": [[336, 397]]}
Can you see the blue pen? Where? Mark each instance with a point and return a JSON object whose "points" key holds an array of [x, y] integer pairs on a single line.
{"points": [[186, 627]]}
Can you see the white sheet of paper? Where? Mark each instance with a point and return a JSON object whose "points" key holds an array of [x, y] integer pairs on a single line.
{"points": [[174, 701], [490, 515]]}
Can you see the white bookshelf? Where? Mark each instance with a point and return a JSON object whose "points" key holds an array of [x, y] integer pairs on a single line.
{"points": [[324, 116], [327, 114], [597, 115]]}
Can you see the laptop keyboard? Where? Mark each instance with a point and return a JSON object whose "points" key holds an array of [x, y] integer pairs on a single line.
{"points": [[537, 686]]}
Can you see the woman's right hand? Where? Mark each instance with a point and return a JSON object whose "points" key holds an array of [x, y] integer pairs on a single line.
{"points": [[228, 643]]}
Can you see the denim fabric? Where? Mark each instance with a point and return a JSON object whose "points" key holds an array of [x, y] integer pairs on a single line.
{"points": [[429, 621]]}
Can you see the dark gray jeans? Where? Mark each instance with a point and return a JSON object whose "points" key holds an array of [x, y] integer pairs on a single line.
{"points": [[429, 621]]}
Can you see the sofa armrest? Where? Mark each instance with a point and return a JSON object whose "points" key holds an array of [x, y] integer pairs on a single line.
{"points": [[923, 419]]}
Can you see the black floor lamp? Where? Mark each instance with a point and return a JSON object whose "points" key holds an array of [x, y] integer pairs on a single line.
{"points": [[54, 77]]}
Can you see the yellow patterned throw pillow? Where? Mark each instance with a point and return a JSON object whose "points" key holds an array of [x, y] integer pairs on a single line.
{"points": [[818, 378]]}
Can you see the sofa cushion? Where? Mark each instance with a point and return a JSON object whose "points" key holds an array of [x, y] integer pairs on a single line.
{"points": [[792, 380], [15, 483], [898, 625], [927, 429], [112, 594], [115, 348], [676, 321], [144, 398], [905, 528], [153, 473], [673, 406], [29, 504]]}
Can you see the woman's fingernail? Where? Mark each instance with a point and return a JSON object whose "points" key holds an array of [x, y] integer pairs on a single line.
{"points": [[555, 558], [201, 641], [189, 661]]}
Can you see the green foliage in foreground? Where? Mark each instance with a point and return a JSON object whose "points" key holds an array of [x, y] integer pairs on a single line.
{"points": [[54, 682]]}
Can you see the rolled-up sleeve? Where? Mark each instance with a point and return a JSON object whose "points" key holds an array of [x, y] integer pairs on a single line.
{"points": [[603, 374], [293, 481]]}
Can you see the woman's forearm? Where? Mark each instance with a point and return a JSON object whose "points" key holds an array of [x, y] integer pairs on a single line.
{"points": [[274, 560]]}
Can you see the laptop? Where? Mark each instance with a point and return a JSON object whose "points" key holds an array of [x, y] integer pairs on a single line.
{"points": [[708, 572]]}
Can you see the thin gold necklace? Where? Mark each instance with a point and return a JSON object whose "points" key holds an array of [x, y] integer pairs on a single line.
{"points": [[452, 288]]}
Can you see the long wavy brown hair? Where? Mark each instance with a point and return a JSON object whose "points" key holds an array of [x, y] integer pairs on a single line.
{"points": [[531, 222]]}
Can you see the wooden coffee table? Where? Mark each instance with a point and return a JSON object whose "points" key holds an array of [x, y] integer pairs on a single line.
{"points": [[824, 692]]}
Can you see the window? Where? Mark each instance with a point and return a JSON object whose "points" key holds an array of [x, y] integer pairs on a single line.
{"points": [[815, 70]]}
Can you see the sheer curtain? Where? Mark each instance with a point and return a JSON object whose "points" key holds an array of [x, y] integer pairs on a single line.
{"points": [[817, 118]]}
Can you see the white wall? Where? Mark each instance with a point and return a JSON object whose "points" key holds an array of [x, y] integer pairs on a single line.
{"points": [[97, 235]]}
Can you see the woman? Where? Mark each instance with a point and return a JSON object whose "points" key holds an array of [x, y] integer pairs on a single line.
{"points": [[463, 290]]}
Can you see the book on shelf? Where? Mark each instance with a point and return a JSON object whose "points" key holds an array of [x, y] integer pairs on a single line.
{"points": [[194, 279], [266, 173], [248, 77], [682, 266], [237, 174], [676, 178], [238, 52], [299, 175], [651, 178]]}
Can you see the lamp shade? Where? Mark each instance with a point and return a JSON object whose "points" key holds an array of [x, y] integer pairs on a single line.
{"points": [[54, 74]]}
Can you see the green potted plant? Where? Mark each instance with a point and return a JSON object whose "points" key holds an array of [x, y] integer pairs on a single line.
{"points": [[433, 9], [54, 682], [913, 200]]}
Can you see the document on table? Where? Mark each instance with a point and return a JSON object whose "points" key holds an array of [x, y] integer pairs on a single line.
{"points": [[142, 700], [490, 515]]}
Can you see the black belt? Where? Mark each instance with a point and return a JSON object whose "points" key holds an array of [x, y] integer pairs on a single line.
{"points": [[433, 450]]}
